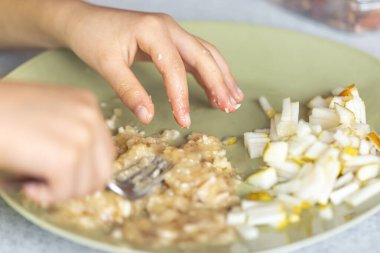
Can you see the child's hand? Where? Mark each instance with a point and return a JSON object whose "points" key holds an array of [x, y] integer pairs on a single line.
{"points": [[57, 135], [110, 40]]}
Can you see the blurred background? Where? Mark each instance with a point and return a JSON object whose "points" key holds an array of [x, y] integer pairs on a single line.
{"points": [[352, 22]]}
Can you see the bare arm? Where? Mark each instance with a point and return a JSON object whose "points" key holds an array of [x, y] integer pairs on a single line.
{"points": [[32, 23]]}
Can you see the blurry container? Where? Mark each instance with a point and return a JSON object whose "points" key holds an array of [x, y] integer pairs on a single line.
{"points": [[351, 15]]}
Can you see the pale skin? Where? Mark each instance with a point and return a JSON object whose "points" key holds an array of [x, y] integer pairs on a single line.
{"points": [[36, 118]]}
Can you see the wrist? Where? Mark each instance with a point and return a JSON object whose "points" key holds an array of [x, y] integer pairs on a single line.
{"points": [[56, 19]]}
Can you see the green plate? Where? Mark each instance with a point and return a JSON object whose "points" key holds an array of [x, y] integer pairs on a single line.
{"points": [[266, 61]]}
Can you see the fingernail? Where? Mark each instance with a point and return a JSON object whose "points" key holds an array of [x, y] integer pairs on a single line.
{"points": [[239, 91], [237, 106], [143, 114], [232, 101], [186, 120]]}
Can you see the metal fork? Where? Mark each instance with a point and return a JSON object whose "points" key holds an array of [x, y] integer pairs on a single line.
{"points": [[140, 182]]}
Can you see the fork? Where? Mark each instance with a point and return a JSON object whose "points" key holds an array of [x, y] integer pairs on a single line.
{"points": [[140, 182]]}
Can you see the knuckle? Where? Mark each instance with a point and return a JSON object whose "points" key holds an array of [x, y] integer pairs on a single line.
{"points": [[105, 60], [166, 17], [89, 114], [82, 136], [153, 22], [69, 159]]}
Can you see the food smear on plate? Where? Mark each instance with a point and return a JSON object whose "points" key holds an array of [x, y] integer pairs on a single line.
{"points": [[332, 158]]}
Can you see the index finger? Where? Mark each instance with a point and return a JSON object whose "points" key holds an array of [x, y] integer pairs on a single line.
{"points": [[168, 61]]}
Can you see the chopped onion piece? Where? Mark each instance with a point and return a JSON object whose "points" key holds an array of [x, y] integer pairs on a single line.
{"points": [[263, 179], [325, 123], [346, 117], [336, 101], [331, 154], [249, 136], [269, 215], [326, 212], [316, 150], [286, 114], [248, 232], [256, 150], [331, 171], [342, 138], [286, 128], [311, 184], [287, 187], [355, 141], [291, 203], [363, 160], [273, 131], [298, 144], [276, 151], [338, 196], [348, 153], [303, 128], [327, 137], [246, 204], [364, 147], [356, 105], [255, 143], [267, 108], [295, 111], [324, 113], [268, 207], [343, 180], [360, 129], [364, 194], [318, 101], [367, 172], [316, 129], [236, 218], [285, 169]]}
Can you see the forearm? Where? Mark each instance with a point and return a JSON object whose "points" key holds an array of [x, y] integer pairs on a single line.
{"points": [[34, 23]]}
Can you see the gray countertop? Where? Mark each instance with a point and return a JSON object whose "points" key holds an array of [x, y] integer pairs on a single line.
{"points": [[18, 235]]}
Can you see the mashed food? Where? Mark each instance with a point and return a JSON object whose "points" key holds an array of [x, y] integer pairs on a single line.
{"points": [[190, 206]]}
